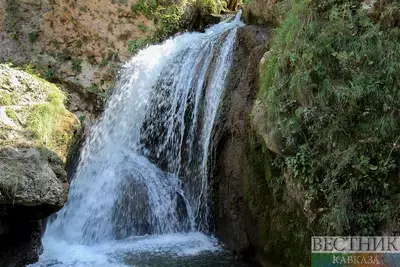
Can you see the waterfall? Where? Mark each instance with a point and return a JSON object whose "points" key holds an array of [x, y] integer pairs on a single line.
{"points": [[144, 169]]}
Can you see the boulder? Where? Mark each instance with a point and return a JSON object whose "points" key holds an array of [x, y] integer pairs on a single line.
{"points": [[30, 179], [32, 186]]}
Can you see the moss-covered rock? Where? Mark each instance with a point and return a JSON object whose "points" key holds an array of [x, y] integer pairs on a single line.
{"points": [[35, 134], [32, 112]]}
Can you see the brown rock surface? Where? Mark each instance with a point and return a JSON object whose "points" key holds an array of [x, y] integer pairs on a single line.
{"points": [[236, 225], [81, 41]]}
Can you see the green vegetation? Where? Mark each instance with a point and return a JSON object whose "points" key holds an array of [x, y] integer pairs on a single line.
{"points": [[169, 16], [37, 106], [331, 88], [11, 114], [44, 117], [51, 124], [103, 63], [38, 71], [210, 6], [101, 94], [144, 7], [135, 45], [76, 66], [142, 27], [33, 36], [48, 73], [6, 99]]}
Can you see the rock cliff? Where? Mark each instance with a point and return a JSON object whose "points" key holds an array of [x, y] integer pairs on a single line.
{"points": [[235, 174]]}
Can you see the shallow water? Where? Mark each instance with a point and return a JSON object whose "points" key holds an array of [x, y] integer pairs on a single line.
{"points": [[172, 250]]}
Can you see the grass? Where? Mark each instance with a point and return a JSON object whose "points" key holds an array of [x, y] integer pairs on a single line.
{"points": [[11, 114], [52, 125], [7, 99], [101, 94], [135, 45], [142, 27], [44, 117]]}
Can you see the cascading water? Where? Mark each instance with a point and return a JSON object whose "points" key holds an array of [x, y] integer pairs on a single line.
{"points": [[144, 169]]}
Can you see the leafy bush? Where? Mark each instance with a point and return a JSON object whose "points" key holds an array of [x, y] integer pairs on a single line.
{"points": [[145, 7], [210, 6], [332, 89], [33, 36], [49, 73]]}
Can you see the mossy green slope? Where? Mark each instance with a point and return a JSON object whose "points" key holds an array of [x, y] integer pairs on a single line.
{"points": [[32, 113]]}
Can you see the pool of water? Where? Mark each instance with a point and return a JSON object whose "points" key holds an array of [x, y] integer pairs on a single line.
{"points": [[174, 250]]}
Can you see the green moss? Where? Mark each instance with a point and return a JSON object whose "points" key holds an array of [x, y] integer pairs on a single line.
{"points": [[280, 224], [52, 125], [42, 114], [6, 99], [11, 114], [44, 117]]}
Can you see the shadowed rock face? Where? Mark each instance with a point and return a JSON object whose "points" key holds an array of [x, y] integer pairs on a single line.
{"points": [[20, 242], [235, 224], [32, 186], [27, 179]]}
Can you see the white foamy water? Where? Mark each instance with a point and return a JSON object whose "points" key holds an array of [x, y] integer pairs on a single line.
{"points": [[153, 249], [141, 195]]}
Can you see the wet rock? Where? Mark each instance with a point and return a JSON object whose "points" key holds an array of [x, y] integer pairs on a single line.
{"points": [[131, 213], [235, 224]]}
